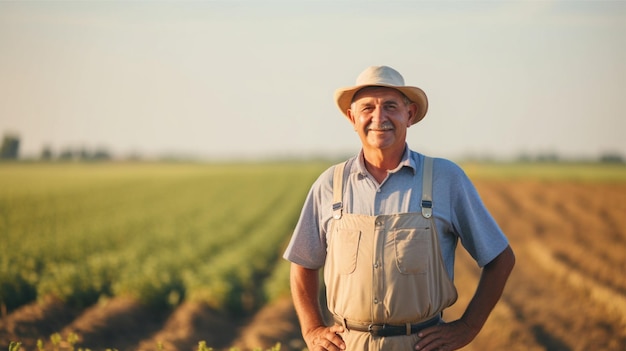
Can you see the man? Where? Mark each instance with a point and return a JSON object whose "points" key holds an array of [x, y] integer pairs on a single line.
{"points": [[384, 226]]}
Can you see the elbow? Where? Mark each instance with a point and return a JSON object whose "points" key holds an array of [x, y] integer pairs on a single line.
{"points": [[508, 259], [504, 262]]}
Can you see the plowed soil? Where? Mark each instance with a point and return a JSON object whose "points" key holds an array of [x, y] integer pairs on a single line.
{"points": [[567, 292]]}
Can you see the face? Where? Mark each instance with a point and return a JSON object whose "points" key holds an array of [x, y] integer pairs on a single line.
{"points": [[381, 117]]}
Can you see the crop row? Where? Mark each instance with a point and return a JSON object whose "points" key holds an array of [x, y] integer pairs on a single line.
{"points": [[159, 233]]}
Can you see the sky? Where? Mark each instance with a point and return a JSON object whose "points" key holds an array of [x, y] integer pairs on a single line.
{"points": [[255, 79]]}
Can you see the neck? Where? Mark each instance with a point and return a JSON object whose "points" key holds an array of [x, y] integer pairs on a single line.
{"points": [[379, 162]]}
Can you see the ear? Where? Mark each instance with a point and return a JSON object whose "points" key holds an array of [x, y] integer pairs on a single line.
{"points": [[351, 117], [412, 112]]}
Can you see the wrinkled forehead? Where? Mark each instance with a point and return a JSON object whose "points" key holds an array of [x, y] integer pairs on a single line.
{"points": [[378, 92]]}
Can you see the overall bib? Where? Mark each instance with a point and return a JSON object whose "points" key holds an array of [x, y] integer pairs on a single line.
{"points": [[385, 269]]}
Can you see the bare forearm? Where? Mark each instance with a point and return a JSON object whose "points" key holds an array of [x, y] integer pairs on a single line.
{"points": [[304, 290], [489, 290]]}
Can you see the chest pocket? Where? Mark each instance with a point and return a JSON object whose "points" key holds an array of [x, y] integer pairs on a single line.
{"points": [[345, 249], [412, 249]]}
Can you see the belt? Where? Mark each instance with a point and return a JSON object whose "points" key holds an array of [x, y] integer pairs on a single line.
{"points": [[384, 329]]}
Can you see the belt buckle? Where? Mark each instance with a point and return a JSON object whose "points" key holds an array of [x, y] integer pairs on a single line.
{"points": [[377, 329]]}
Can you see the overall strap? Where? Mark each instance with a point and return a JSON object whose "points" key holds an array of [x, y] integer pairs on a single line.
{"points": [[338, 190], [338, 178], [427, 188]]}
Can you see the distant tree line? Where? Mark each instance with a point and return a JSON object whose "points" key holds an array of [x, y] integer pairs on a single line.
{"points": [[77, 154], [607, 157], [611, 158], [9, 150]]}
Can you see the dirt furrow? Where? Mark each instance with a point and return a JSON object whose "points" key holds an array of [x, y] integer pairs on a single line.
{"points": [[556, 313], [189, 324], [613, 301], [561, 316], [37, 320], [274, 323], [119, 323]]}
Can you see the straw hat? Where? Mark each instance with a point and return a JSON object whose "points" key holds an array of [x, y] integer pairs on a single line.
{"points": [[382, 76]]}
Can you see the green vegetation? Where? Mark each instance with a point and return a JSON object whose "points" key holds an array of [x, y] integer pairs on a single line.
{"points": [[158, 232]]}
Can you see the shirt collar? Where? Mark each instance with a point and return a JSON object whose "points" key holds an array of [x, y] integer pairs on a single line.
{"points": [[406, 161]]}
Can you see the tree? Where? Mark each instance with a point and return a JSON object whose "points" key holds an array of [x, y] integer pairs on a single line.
{"points": [[10, 147], [611, 157], [46, 153]]}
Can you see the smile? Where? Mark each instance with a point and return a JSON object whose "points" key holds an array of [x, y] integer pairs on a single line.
{"points": [[380, 128]]}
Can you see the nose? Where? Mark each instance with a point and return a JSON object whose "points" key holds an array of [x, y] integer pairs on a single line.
{"points": [[378, 115]]}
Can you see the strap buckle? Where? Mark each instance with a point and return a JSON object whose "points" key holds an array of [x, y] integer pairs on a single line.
{"points": [[427, 208], [378, 329], [337, 209]]}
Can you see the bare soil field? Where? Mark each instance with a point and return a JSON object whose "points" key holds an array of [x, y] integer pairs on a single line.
{"points": [[567, 292]]}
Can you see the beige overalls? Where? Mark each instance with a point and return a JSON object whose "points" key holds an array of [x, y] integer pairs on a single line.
{"points": [[385, 269]]}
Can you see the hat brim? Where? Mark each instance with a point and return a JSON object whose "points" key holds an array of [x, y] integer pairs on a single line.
{"points": [[344, 96]]}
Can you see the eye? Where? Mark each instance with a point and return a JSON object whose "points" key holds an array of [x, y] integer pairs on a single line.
{"points": [[391, 107]]}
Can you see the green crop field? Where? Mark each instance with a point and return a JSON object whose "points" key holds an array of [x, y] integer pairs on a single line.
{"points": [[157, 232]]}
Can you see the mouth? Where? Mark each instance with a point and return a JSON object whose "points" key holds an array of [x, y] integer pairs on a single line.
{"points": [[381, 128]]}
